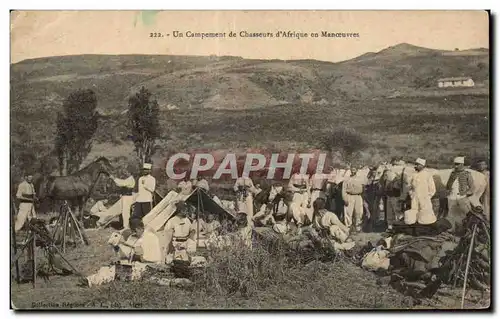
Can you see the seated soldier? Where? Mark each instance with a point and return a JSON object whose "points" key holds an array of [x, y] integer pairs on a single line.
{"points": [[327, 224], [142, 247], [180, 236], [99, 207], [264, 216], [242, 235], [195, 222], [213, 226]]}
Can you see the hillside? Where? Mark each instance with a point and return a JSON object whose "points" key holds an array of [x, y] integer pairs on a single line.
{"points": [[236, 83], [234, 102]]}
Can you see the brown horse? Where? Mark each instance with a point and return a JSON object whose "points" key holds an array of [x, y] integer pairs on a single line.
{"points": [[75, 188]]}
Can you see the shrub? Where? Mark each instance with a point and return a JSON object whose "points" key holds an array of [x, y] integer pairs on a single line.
{"points": [[345, 140], [239, 270]]}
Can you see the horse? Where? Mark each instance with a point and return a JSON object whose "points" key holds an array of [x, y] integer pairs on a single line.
{"points": [[75, 188]]}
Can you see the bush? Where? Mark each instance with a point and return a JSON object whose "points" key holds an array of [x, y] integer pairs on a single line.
{"points": [[239, 270], [347, 141]]}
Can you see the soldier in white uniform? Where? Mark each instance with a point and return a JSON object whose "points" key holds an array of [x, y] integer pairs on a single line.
{"points": [[421, 190], [126, 184], [185, 186], [327, 223], [352, 194], [180, 235], [202, 184], [245, 192], [26, 196], [146, 189], [317, 183], [301, 202], [141, 248]]}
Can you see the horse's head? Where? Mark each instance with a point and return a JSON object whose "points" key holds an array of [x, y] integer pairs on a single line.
{"points": [[104, 165]]}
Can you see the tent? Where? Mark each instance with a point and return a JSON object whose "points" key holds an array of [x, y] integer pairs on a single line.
{"points": [[110, 214], [113, 212], [161, 213]]}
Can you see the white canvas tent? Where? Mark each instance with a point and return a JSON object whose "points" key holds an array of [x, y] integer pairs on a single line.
{"points": [[161, 213], [113, 212]]}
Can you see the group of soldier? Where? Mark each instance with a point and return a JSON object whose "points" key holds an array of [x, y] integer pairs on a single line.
{"points": [[342, 191]]}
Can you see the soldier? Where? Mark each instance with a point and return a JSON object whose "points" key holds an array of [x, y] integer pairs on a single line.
{"points": [[317, 183], [352, 195], [146, 189], [245, 191], [301, 204], [180, 235], [26, 196], [482, 167], [422, 188], [185, 186], [459, 186]]}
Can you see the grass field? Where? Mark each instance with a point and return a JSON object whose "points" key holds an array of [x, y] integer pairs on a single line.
{"points": [[436, 128], [338, 284]]}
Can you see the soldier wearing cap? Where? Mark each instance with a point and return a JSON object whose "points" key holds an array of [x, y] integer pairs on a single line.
{"points": [[26, 196], [459, 187], [145, 191], [185, 186], [352, 195], [180, 234], [421, 190], [245, 192]]}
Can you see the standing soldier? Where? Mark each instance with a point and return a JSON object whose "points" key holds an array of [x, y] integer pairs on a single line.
{"points": [[245, 191], [395, 179], [202, 184], [482, 167], [352, 195], [146, 189], [422, 188], [26, 196], [317, 183], [459, 186], [185, 186], [126, 184], [301, 204], [334, 188]]}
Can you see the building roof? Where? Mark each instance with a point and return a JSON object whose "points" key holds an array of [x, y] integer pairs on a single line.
{"points": [[460, 78]]}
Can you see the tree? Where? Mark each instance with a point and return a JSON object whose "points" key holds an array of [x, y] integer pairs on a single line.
{"points": [[143, 122], [481, 66], [76, 126], [346, 141]]}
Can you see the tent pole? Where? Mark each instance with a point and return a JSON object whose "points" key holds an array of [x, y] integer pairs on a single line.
{"points": [[198, 218]]}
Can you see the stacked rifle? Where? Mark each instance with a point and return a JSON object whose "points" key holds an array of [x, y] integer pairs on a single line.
{"points": [[469, 264]]}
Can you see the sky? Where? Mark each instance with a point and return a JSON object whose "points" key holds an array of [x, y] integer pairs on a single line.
{"points": [[37, 34]]}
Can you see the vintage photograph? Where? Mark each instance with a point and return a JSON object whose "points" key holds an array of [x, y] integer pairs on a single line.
{"points": [[305, 160]]}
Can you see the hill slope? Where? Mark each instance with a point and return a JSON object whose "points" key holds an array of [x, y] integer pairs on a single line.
{"points": [[236, 83], [235, 102]]}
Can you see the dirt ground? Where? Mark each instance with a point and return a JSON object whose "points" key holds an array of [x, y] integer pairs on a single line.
{"points": [[335, 285]]}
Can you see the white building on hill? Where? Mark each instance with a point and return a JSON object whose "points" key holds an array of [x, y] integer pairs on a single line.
{"points": [[456, 82]]}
